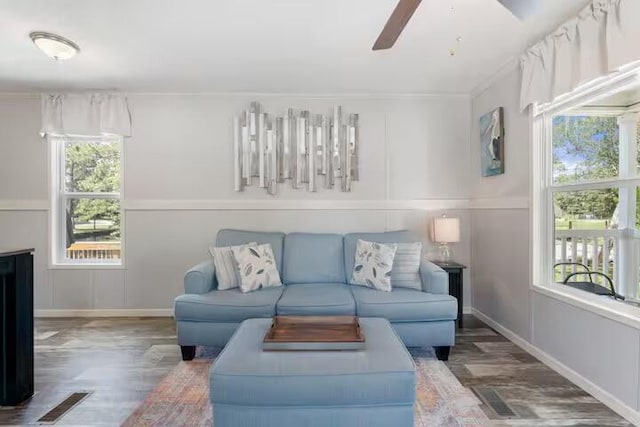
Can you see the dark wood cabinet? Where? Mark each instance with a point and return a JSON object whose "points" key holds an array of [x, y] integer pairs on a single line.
{"points": [[16, 326], [455, 271]]}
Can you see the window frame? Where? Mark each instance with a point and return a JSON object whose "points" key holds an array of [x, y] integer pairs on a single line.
{"points": [[59, 197], [543, 189]]}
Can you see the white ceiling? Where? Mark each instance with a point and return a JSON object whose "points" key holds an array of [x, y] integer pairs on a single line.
{"points": [[292, 46]]}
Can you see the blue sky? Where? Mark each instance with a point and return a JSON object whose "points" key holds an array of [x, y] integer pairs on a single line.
{"points": [[564, 150]]}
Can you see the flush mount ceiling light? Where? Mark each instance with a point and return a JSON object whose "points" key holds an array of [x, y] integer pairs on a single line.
{"points": [[54, 46]]}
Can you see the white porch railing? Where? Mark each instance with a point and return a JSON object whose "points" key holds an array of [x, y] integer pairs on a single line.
{"points": [[605, 251], [596, 249], [94, 251]]}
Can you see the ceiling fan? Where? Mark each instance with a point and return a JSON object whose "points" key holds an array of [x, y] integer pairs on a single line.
{"points": [[405, 9]]}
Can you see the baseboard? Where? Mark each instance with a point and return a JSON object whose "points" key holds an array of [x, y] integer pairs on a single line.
{"points": [[602, 395], [153, 312]]}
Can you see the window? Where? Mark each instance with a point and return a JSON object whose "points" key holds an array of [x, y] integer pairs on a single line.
{"points": [[590, 195], [86, 192]]}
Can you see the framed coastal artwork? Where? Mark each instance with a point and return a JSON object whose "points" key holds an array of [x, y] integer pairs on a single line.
{"points": [[492, 142]]}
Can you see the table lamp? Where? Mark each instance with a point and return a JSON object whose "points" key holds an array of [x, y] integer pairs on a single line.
{"points": [[445, 230]]}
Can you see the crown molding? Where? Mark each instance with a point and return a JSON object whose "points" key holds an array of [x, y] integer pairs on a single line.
{"points": [[27, 95], [312, 95], [509, 66], [293, 95]]}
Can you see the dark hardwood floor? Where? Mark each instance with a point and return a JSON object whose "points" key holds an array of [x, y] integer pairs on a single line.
{"points": [[119, 361], [538, 396]]}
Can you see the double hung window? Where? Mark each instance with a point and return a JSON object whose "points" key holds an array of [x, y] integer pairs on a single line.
{"points": [[590, 194], [86, 200]]}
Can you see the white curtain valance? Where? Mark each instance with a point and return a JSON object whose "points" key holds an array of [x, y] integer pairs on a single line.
{"points": [[90, 114], [602, 38]]}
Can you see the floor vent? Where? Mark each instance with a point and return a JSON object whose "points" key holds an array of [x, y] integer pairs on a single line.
{"points": [[63, 407], [492, 399]]}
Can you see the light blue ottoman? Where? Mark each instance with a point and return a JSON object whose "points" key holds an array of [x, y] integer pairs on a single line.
{"points": [[374, 387]]}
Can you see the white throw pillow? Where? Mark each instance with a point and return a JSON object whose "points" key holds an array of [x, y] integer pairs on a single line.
{"points": [[257, 267], [373, 264], [227, 272], [406, 266]]}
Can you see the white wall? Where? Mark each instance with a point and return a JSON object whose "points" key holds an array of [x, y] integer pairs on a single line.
{"points": [[514, 183], [500, 237], [179, 187], [600, 349], [602, 355]]}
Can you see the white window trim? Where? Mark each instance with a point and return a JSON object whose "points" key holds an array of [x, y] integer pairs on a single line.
{"points": [[57, 199], [542, 228]]}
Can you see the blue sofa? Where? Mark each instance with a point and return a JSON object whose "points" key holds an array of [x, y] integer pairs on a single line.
{"points": [[315, 269]]}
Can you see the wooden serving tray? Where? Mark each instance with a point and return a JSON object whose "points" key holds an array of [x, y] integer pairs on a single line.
{"points": [[314, 333]]}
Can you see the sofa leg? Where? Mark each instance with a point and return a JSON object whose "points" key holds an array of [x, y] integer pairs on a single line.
{"points": [[188, 352], [442, 353]]}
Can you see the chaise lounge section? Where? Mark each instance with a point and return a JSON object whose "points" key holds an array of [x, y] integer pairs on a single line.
{"points": [[315, 270]]}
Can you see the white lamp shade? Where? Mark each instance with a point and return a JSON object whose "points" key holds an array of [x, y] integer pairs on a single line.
{"points": [[445, 230]]}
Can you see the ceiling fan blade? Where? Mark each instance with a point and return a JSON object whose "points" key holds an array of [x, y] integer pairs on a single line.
{"points": [[523, 9], [396, 23]]}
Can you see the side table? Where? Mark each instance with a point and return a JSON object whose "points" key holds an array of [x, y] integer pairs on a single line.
{"points": [[455, 283], [16, 326]]}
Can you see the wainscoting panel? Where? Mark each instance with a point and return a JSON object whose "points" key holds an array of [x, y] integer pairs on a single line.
{"points": [[72, 289], [161, 246], [29, 229], [108, 289], [598, 348]]}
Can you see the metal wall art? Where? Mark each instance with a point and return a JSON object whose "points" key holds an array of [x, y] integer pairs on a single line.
{"points": [[299, 147]]}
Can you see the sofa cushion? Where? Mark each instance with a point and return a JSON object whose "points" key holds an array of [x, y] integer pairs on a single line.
{"points": [[321, 299], [227, 271], [227, 306], [406, 266], [257, 267], [313, 258], [351, 241], [373, 264], [228, 237], [404, 305]]}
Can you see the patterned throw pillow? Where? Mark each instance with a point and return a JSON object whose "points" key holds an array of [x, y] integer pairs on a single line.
{"points": [[406, 266], [257, 267], [373, 265], [227, 272]]}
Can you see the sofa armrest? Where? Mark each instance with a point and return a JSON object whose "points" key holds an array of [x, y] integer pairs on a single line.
{"points": [[434, 279], [201, 278]]}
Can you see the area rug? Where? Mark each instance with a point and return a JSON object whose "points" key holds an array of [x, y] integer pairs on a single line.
{"points": [[182, 397]]}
